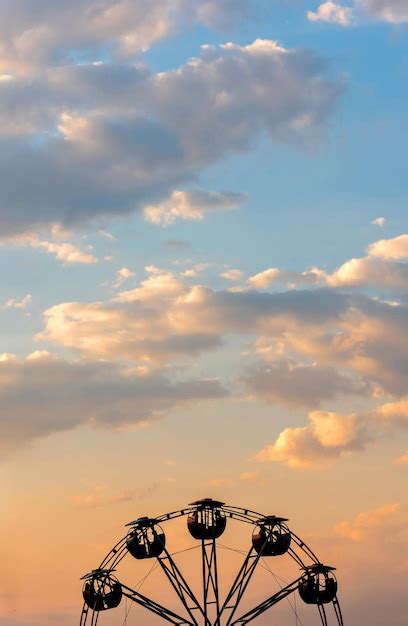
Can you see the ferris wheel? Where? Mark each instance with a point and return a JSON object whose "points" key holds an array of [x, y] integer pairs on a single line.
{"points": [[270, 540]]}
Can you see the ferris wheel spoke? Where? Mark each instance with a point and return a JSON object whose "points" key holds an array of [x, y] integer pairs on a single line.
{"points": [[240, 583], [337, 610], [180, 585], [267, 604], [84, 614], [210, 580], [322, 613], [155, 607]]}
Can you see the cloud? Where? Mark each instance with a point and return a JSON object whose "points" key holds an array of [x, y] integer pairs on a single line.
{"points": [[233, 275], [384, 266], [390, 249], [332, 13], [249, 476], [379, 221], [265, 278], [365, 524], [123, 274], [177, 244], [312, 276], [106, 234], [220, 482], [99, 496], [165, 318], [33, 35], [402, 460], [392, 11], [89, 141], [191, 205], [371, 270], [298, 384], [194, 271], [43, 394], [66, 252], [12, 303], [220, 15], [329, 435]]}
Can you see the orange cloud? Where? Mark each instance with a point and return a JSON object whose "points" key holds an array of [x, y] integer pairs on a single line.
{"points": [[364, 524]]}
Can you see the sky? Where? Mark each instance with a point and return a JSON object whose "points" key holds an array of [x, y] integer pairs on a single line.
{"points": [[204, 276]]}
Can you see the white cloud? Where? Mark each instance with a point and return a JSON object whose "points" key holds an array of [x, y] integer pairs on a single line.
{"points": [[66, 252], [312, 276], [371, 270], [194, 271], [122, 275], [106, 234], [332, 13], [265, 278], [12, 303], [379, 221], [233, 275], [191, 205], [395, 249], [384, 266]]}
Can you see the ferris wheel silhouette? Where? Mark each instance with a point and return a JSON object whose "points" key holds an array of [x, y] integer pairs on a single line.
{"points": [[207, 519]]}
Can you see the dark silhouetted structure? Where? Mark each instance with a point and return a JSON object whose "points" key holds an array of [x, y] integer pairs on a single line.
{"points": [[206, 522]]}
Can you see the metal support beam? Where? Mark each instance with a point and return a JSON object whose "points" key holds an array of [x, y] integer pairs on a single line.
{"points": [[155, 607], [268, 603], [337, 610], [210, 581], [322, 613], [240, 583], [180, 585]]}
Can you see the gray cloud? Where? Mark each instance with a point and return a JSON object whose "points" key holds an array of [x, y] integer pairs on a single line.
{"points": [[393, 11], [82, 142], [35, 32], [44, 394], [298, 384]]}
